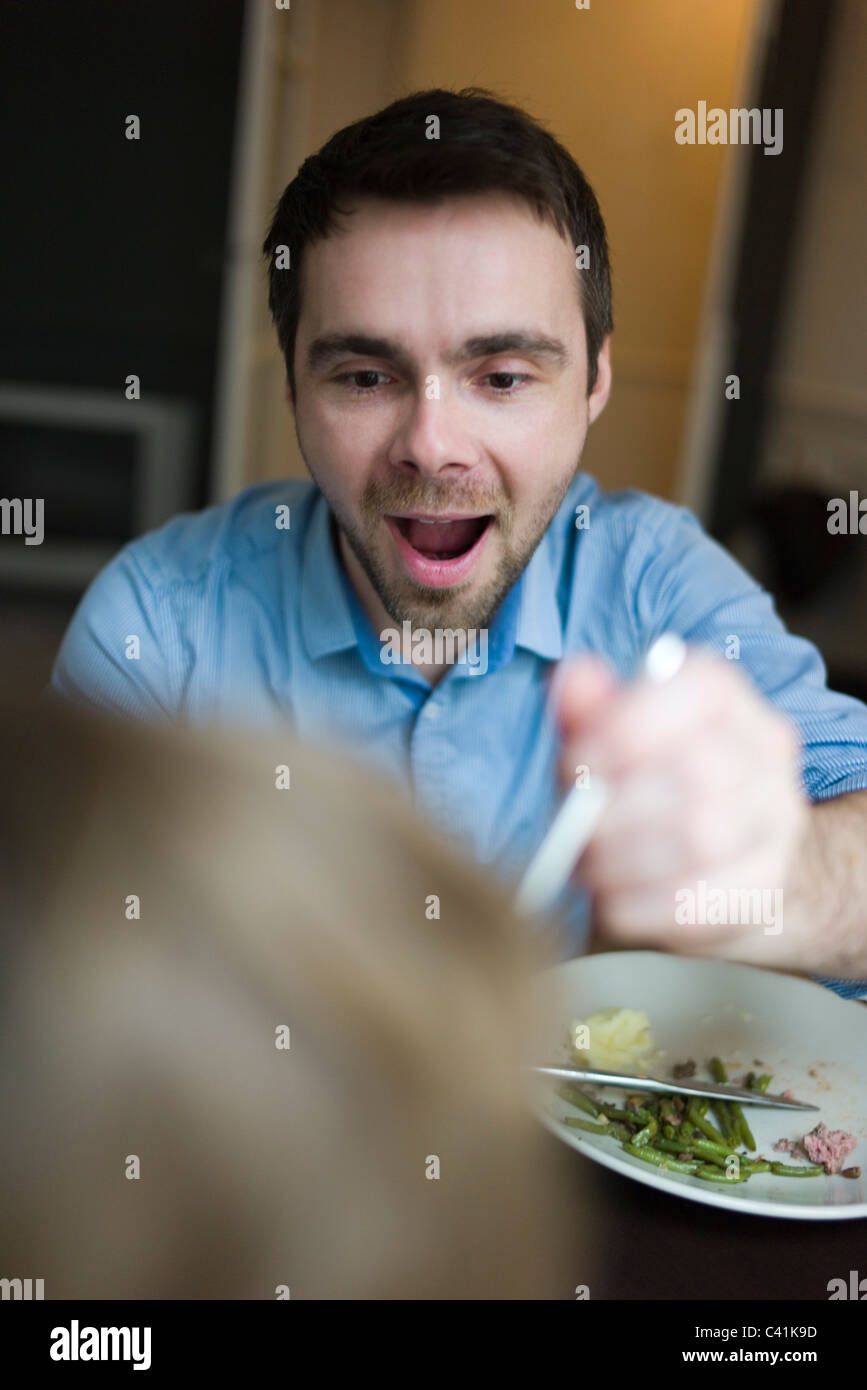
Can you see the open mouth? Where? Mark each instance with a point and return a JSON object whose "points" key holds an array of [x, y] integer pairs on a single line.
{"points": [[442, 538]]}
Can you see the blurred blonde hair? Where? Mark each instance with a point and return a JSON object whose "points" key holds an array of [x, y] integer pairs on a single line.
{"points": [[260, 908]]}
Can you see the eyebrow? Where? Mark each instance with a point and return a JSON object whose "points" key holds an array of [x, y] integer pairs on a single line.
{"points": [[325, 350]]}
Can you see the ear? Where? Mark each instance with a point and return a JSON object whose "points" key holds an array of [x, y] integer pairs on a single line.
{"points": [[598, 397]]}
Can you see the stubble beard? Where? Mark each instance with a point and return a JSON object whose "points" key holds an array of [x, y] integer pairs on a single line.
{"points": [[460, 607]]}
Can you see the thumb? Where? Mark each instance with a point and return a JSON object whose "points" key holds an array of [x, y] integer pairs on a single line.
{"points": [[582, 686]]}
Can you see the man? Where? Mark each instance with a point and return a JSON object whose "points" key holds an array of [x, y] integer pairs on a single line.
{"points": [[439, 282]]}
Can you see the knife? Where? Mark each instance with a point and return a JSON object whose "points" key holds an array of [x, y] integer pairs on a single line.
{"points": [[642, 1081]]}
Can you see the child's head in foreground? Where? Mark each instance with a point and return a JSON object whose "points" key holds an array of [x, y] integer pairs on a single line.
{"points": [[256, 1039]]}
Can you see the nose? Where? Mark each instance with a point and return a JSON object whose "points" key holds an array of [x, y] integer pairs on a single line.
{"points": [[430, 439]]}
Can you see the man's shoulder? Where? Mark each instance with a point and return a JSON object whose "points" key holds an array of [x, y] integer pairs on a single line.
{"points": [[244, 530]]}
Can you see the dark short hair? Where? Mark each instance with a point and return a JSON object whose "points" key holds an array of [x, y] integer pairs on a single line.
{"points": [[485, 145]]}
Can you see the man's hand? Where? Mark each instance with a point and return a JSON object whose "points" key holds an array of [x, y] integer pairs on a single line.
{"points": [[707, 818]]}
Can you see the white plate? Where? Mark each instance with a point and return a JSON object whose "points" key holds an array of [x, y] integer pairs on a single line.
{"points": [[702, 1009]]}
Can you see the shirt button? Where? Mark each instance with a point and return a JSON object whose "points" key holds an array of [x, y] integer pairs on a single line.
{"points": [[431, 710]]}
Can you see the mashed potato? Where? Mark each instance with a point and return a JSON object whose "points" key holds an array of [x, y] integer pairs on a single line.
{"points": [[616, 1040]]}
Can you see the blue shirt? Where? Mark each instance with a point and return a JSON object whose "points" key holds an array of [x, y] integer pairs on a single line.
{"points": [[242, 619]]}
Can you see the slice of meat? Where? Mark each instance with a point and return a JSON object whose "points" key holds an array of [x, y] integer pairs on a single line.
{"points": [[829, 1146], [681, 1070]]}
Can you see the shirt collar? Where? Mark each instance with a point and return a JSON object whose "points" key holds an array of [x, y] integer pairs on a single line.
{"points": [[326, 622], [540, 627], [326, 619]]}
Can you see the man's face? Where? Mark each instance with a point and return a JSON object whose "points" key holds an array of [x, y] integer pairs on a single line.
{"points": [[441, 398]]}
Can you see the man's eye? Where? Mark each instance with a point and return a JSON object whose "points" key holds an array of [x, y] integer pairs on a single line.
{"points": [[500, 382], [364, 388], [365, 382]]}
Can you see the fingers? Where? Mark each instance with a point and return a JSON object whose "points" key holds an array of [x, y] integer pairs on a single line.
{"points": [[687, 816], [645, 717], [740, 900], [685, 847], [580, 690]]}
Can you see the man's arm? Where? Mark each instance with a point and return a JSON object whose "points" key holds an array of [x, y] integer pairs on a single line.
{"points": [[708, 844], [114, 652], [826, 899], [742, 781]]}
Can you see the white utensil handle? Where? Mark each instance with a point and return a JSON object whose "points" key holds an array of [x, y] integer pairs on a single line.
{"points": [[550, 868]]}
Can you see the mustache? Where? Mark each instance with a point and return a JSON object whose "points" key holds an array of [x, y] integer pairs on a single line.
{"points": [[412, 495]]}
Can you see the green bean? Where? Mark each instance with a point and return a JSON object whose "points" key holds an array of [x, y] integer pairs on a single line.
{"points": [[659, 1160], [804, 1170], [708, 1148], [698, 1146], [721, 1108], [574, 1123], [613, 1113], [644, 1136], [726, 1124], [670, 1146], [753, 1083], [708, 1130], [717, 1152], [709, 1144], [742, 1126], [719, 1175], [714, 1159], [578, 1099]]}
